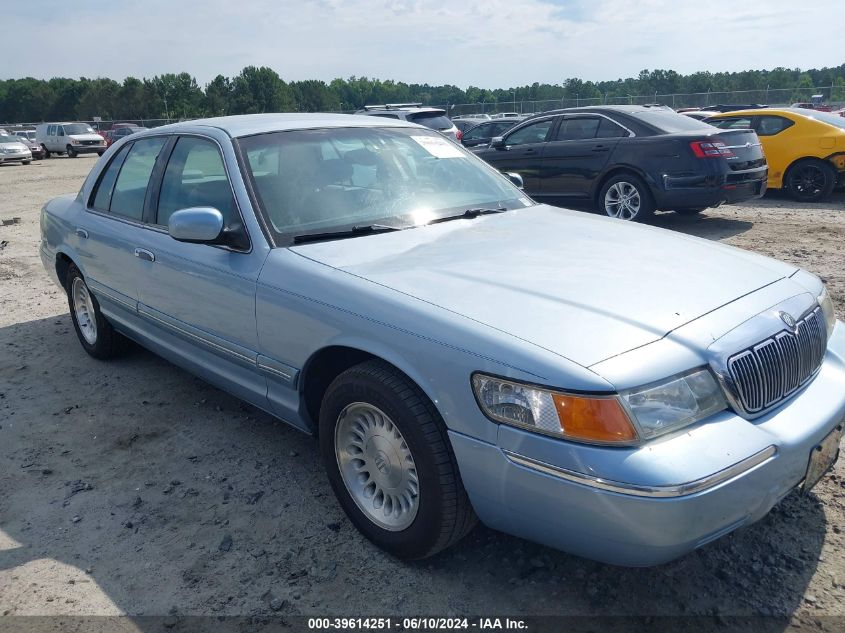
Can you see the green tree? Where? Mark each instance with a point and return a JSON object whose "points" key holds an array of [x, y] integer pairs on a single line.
{"points": [[260, 90]]}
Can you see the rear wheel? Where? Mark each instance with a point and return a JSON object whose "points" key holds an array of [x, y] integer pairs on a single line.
{"points": [[95, 333], [627, 197], [390, 463], [810, 180], [71, 153]]}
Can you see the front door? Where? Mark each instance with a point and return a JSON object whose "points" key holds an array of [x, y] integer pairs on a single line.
{"points": [[202, 295], [521, 152]]}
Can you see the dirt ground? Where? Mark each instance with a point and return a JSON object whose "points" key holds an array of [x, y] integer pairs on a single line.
{"points": [[132, 487]]}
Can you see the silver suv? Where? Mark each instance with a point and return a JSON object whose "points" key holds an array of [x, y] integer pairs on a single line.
{"points": [[434, 118]]}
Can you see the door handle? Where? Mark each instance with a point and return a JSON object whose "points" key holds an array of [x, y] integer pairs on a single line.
{"points": [[82, 233], [143, 253]]}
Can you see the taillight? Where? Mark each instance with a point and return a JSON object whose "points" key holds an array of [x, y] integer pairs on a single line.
{"points": [[710, 149], [459, 135]]}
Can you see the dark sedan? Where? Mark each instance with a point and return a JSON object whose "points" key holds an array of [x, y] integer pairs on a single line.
{"points": [[486, 131], [630, 160]]}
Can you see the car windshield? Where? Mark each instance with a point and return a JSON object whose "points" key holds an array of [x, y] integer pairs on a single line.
{"points": [[431, 119], [325, 180], [672, 122], [78, 128], [27, 135]]}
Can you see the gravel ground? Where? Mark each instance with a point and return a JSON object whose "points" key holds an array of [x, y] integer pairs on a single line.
{"points": [[121, 479]]}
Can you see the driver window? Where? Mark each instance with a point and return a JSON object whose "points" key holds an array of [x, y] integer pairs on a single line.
{"points": [[533, 133], [195, 177]]}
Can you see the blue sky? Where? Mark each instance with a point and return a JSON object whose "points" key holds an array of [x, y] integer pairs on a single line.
{"points": [[486, 43]]}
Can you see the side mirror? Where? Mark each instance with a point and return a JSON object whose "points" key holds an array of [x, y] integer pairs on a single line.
{"points": [[498, 142], [515, 178], [197, 225]]}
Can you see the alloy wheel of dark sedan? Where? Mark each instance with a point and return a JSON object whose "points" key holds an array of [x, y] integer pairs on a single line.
{"points": [[626, 197]]}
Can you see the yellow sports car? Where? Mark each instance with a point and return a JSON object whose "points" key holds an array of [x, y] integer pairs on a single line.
{"points": [[805, 149]]}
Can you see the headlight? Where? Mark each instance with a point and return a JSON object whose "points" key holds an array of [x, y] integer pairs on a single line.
{"points": [[675, 403], [827, 310], [75, 141], [597, 419]]}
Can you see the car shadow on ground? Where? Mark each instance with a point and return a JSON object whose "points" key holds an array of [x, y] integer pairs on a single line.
{"points": [[170, 497]]}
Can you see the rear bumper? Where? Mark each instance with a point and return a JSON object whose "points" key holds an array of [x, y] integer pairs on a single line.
{"points": [[679, 192], [629, 524]]}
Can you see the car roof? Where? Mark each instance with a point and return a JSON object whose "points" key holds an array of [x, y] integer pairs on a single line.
{"points": [[804, 112], [249, 124]]}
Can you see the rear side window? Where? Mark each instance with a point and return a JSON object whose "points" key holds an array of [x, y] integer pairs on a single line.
{"points": [[577, 129], [131, 186], [609, 129], [102, 197], [431, 120], [771, 125], [532, 133], [195, 177]]}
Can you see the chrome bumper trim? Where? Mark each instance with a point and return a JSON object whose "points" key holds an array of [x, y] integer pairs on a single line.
{"points": [[678, 490]]}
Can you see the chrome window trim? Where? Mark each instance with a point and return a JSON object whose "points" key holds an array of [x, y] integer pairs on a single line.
{"points": [[634, 490]]}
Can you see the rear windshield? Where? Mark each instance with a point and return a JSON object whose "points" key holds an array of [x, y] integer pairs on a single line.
{"points": [[827, 117], [671, 122], [431, 120]]}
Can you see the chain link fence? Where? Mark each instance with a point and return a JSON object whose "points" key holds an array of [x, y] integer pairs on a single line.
{"points": [[831, 96], [100, 126]]}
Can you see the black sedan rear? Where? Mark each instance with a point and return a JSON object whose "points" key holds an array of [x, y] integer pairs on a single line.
{"points": [[630, 160]]}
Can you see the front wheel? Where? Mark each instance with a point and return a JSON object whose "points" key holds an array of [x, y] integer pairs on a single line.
{"points": [[71, 153], [96, 334], [626, 197], [390, 463], [100, 153], [810, 180], [46, 153], [26, 162]]}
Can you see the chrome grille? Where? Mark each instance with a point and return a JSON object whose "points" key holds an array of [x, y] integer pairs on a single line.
{"points": [[771, 370]]}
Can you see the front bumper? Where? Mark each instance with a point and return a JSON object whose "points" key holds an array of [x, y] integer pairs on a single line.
{"points": [[88, 149], [15, 158], [637, 527]]}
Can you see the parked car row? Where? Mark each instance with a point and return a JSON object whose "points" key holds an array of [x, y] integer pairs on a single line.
{"points": [[460, 351]]}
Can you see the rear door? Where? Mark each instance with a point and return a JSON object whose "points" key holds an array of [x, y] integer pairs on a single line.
{"points": [[114, 224], [522, 150], [576, 156]]}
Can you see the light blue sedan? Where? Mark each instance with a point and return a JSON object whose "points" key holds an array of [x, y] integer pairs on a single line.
{"points": [[617, 391]]}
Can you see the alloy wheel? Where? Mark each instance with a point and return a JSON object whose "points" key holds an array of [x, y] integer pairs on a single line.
{"points": [[622, 201], [376, 466], [83, 308]]}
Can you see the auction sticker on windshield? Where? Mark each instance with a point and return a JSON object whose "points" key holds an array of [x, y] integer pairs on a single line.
{"points": [[439, 147]]}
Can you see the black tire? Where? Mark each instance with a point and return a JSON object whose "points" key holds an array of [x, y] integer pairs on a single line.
{"points": [[109, 343], [46, 153], [444, 514], [628, 182], [26, 162], [100, 153], [810, 180], [70, 152], [690, 211]]}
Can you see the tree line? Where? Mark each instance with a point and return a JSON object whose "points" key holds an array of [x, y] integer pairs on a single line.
{"points": [[261, 89]]}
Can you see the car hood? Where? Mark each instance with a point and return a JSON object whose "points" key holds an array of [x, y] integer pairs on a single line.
{"points": [[582, 286], [14, 145]]}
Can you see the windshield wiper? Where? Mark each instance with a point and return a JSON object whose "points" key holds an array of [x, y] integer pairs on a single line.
{"points": [[355, 231], [469, 214]]}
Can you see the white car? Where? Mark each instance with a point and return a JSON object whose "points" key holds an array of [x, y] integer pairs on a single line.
{"points": [[69, 138], [13, 150]]}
